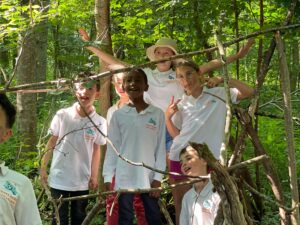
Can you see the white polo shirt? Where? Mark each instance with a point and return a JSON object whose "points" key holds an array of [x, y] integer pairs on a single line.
{"points": [[162, 86], [201, 120], [139, 137], [72, 157], [18, 204], [199, 208]]}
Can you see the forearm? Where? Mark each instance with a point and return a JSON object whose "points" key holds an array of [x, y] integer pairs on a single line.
{"points": [[172, 129], [95, 161], [107, 58], [48, 153], [245, 91]]}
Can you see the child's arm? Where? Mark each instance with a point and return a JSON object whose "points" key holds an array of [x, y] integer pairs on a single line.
{"points": [[107, 58], [216, 63], [170, 112], [110, 160], [46, 158], [160, 155], [244, 91], [93, 182]]}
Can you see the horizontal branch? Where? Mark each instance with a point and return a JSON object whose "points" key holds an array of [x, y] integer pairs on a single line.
{"points": [[61, 83]]}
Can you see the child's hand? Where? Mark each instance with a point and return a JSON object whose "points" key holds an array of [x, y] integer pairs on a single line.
{"points": [[84, 35], [172, 108], [155, 184], [245, 48], [93, 183], [43, 176], [213, 81]]}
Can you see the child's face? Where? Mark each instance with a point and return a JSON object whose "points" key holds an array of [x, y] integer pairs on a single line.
{"points": [[191, 164], [86, 94], [5, 132], [134, 85], [118, 81], [160, 53], [189, 79]]}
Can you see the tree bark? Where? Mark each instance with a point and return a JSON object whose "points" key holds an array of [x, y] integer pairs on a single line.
{"points": [[102, 19], [295, 70], [289, 128]]}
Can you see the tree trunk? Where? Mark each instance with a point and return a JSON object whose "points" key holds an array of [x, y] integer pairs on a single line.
{"points": [[102, 19], [26, 103], [103, 27], [295, 70], [31, 65], [285, 85]]}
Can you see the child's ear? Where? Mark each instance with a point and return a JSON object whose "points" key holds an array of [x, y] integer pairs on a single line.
{"points": [[146, 88], [7, 134]]}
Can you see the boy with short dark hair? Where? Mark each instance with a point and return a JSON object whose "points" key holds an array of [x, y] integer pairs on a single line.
{"points": [[75, 145], [137, 130], [17, 199]]}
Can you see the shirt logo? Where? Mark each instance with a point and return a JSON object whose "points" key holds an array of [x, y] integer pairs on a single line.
{"points": [[207, 206], [10, 187], [89, 134], [151, 124], [171, 77]]}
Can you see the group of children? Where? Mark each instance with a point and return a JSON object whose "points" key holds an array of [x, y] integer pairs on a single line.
{"points": [[158, 113]]}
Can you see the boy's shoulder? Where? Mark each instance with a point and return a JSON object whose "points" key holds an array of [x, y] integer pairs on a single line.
{"points": [[12, 180]]}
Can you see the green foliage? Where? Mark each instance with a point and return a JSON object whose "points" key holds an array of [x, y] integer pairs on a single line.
{"points": [[135, 25]]}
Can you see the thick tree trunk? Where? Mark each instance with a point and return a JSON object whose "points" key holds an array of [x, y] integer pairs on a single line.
{"points": [[102, 19], [31, 68], [26, 103], [103, 27], [289, 128]]}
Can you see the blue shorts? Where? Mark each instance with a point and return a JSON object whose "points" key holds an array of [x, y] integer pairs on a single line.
{"points": [[169, 141]]}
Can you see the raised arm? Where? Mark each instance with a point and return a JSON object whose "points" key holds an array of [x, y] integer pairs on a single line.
{"points": [[216, 63], [244, 91], [169, 113], [107, 58]]}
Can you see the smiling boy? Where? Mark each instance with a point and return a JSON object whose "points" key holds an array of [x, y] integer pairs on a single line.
{"points": [[75, 146], [137, 130], [17, 199]]}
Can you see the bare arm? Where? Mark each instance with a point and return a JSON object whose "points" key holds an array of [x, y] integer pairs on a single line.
{"points": [[170, 112], [46, 158], [107, 58], [244, 91], [216, 63], [93, 182]]}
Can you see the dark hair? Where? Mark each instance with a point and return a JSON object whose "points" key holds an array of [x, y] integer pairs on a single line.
{"points": [[9, 109], [186, 62], [138, 71], [86, 74]]}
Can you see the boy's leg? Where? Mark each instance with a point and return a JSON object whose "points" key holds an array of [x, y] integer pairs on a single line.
{"points": [[139, 210], [64, 208], [78, 208], [126, 209], [152, 210], [111, 201]]}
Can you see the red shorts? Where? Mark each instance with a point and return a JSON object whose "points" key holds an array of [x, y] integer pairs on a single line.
{"points": [[175, 167]]}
